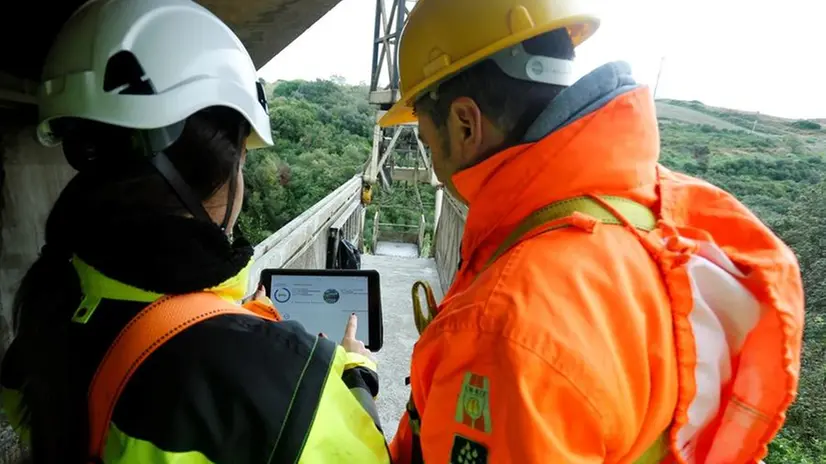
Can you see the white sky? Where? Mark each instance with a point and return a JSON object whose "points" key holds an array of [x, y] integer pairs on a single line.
{"points": [[755, 55]]}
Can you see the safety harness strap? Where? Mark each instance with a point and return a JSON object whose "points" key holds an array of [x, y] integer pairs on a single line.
{"points": [[605, 209], [149, 330], [548, 218]]}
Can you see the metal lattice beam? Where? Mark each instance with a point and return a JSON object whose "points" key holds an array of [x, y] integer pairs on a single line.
{"points": [[397, 154], [389, 22]]}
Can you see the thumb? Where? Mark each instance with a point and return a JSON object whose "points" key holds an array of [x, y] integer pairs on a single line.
{"points": [[261, 292]]}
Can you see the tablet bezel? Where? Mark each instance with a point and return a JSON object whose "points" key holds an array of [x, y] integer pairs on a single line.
{"points": [[375, 321]]}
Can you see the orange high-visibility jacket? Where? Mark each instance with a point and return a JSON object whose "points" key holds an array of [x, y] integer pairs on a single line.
{"points": [[587, 344]]}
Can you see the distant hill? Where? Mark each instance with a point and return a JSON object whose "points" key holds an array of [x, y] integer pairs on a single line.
{"points": [[685, 113], [765, 160], [810, 133]]}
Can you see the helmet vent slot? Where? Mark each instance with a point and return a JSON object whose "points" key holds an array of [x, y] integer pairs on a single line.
{"points": [[126, 76]]}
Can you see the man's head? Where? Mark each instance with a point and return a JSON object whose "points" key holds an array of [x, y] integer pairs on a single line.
{"points": [[484, 110], [477, 73]]}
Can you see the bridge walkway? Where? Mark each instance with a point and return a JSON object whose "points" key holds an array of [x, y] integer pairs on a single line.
{"points": [[397, 277]]}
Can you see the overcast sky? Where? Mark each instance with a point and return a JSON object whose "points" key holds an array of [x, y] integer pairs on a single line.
{"points": [[755, 55]]}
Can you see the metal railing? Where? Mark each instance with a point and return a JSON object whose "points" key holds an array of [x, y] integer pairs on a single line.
{"points": [[448, 238], [399, 233], [375, 241], [422, 229]]}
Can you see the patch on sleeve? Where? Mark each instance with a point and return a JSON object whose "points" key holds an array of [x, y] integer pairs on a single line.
{"points": [[466, 451], [472, 408]]}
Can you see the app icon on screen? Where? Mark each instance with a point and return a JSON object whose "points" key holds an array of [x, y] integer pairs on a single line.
{"points": [[331, 296], [281, 295]]}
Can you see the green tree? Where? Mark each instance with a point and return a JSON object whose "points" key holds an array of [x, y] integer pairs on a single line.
{"points": [[321, 131], [788, 192], [804, 229]]}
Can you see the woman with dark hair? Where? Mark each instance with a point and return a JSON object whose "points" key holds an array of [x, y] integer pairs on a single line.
{"points": [[157, 119]]}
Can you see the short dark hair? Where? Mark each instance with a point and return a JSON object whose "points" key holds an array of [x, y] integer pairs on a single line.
{"points": [[511, 104]]}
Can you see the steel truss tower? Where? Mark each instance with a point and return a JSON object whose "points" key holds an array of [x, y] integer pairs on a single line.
{"points": [[397, 152]]}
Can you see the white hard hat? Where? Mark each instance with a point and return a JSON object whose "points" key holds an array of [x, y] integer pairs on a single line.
{"points": [[148, 64]]}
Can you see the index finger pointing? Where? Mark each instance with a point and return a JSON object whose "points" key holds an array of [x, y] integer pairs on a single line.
{"points": [[350, 328]]}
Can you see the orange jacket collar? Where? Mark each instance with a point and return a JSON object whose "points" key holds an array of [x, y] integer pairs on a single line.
{"points": [[613, 151]]}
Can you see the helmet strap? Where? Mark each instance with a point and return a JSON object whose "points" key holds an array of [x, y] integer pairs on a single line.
{"points": [[155, 142], [158, 140], [191, 201]]}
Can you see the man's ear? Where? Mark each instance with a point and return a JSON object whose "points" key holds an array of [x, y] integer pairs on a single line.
{"points": [[465, 127]]}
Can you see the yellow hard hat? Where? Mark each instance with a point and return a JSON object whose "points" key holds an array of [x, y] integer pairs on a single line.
{"points": [[443, 37]]}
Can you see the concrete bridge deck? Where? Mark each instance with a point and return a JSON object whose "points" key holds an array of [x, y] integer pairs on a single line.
{"points": [[397, 277], [398, 250]]}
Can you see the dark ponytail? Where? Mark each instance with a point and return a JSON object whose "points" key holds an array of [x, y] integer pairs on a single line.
{"points": [[115, 182]]}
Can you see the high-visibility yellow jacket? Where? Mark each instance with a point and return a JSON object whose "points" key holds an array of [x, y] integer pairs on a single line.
{"points": [[231, 389]]}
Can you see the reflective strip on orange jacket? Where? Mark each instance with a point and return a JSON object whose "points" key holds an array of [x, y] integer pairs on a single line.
{"points": [[583, 345], [737, 300]]}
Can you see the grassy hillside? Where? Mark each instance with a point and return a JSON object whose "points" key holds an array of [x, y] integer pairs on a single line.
{"points": [[768, 167]]}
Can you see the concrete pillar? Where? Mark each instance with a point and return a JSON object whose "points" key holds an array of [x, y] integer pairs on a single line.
{"points": [[34, 177]]}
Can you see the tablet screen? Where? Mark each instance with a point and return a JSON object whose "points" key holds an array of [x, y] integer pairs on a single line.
{"points": [[322, 303]]}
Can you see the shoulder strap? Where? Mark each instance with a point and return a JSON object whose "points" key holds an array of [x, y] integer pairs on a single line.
{"points": [[605, 209], [149, 330]]}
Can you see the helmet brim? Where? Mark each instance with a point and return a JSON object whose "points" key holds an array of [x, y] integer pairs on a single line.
{"points": [[140, 112], [400, 113]]}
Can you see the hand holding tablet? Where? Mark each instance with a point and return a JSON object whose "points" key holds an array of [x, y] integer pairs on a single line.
{"points": [[324, 301]]}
